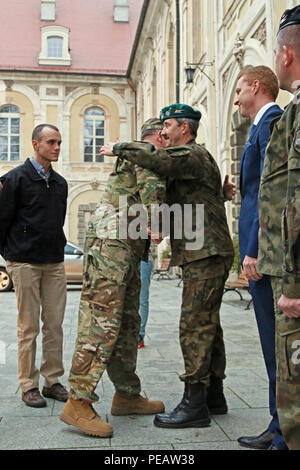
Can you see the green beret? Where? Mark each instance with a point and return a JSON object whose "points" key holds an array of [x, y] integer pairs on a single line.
{"points": [[290, 17], [150, 125], [179, 110]]}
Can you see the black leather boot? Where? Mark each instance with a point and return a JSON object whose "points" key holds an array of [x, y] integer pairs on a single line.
{"points": [[216, 400], [192, 411]]}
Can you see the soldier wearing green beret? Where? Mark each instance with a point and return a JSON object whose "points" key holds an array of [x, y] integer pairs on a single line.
{"points": [[193, 179], [178, 111], [279, 239], [108, 320]]}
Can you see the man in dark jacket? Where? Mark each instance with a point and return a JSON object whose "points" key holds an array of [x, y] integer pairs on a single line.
{"points": [[33, 208]]}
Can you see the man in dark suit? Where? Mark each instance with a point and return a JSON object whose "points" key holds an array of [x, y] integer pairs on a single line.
{"points": [[256, 91]]}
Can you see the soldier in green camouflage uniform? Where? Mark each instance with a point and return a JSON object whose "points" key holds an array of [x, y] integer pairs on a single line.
{"points": [[109, 321], [193, 178], [279, 239]]}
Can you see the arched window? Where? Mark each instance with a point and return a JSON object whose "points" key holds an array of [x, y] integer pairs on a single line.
{"points": [[55, 46], [93, 134], [9, 133]]}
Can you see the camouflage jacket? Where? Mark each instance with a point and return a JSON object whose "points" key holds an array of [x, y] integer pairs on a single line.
{"points": [[193, 179], [127, 186], [279, 202]]}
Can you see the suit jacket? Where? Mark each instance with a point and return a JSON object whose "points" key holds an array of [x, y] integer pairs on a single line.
{"points": [[252, 163]]}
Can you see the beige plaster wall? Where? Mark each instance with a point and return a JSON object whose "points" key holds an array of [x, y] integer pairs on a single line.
{"points": [[52, 115]]}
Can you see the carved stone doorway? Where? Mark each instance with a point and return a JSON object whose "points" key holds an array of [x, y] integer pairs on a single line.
{"points": [[240, 130], [85, 211]]}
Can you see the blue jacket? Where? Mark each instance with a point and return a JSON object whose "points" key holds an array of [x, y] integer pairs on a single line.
{"points": [[251, 168]]}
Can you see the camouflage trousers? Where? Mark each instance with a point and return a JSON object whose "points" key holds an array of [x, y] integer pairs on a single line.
{"points": [[287, 371], [109, 321], [200, 331]]}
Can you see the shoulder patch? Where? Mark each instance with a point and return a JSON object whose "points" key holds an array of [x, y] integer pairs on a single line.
{"points": [[297, 141]]}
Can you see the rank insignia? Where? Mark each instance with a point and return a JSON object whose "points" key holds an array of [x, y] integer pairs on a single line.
{"points": [[297, 142]]}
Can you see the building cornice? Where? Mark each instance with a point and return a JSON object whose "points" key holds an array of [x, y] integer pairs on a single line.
{"points": [[6, 74], [137, 36]]}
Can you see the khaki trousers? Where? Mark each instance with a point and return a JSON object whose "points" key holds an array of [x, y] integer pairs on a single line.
{"points": [[41, 293]]}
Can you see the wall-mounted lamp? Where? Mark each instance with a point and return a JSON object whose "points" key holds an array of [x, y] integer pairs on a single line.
{"points": [[191, 68], [190, 71]]}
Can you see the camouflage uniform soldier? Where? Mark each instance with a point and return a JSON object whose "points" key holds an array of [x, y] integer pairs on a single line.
{"points": [[193, 178], [109, 320], [279, 241]]}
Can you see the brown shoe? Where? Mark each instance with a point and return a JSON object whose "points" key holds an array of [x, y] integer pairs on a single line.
{"points": [[33, 398], [56, 391], [125, 404], [81, 414]]}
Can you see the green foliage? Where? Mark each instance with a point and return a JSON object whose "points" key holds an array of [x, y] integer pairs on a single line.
{"points": [[166, 254], [237, 259]]}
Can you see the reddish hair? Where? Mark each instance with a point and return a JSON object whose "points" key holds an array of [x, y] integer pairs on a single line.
{"points": [[266, 77]]}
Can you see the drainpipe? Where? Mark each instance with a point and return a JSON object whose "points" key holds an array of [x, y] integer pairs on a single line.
{"points": [[177, 52], [135, 107], [132, 56]]}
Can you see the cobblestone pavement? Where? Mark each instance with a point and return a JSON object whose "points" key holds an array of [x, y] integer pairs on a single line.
{"points": [[159, 366]]}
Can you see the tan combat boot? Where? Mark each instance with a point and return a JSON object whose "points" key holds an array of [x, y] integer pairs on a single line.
{"points": [[81, 414], [125, 404]]}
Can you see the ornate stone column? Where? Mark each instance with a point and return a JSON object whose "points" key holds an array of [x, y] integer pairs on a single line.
{"points": [[240, 131]]}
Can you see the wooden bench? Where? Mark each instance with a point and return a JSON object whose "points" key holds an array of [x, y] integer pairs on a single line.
{"points": [[163, 271], [240, 284]]}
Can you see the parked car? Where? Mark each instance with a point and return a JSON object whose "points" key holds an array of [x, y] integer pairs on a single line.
{"points": [[73, 265], [5, 281]]}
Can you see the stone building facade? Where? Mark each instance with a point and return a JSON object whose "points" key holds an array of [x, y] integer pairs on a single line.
{"points": [[216, 38], [65, 63], [98, 69]]}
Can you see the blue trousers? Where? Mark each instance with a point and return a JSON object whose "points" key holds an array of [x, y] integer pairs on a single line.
{"points": [[262, 296], [146, 270]]}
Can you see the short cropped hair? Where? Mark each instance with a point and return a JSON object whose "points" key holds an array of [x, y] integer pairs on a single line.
{"points": [[149, 133], [193, 124], [267, 79], [36, 134], [290, 35]]}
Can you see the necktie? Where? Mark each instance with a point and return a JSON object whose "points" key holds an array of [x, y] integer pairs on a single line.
{"points": [[252, 130]]}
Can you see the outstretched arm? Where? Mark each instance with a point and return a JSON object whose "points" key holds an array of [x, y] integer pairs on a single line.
{"points": [[182, 162]]}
